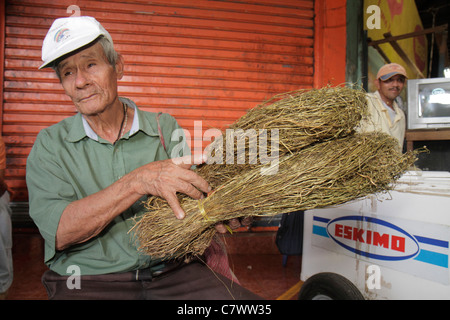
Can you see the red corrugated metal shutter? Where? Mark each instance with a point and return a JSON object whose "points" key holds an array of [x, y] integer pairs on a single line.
{"points": [[197, 60]]}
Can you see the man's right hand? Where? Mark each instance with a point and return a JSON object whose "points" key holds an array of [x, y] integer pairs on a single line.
{"points": [[165, 178]]}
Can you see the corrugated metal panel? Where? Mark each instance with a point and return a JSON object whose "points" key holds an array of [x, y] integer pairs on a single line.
{"points": [[197, 60]]}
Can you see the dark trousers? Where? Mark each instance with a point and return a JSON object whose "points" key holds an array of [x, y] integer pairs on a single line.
{"points": [[193, 281]]}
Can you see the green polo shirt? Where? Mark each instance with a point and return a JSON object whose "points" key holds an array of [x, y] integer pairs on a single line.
{"points": [[69, 162]]}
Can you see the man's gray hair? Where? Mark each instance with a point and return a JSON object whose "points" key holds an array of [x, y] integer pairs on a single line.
{"points": [[108, 48]]}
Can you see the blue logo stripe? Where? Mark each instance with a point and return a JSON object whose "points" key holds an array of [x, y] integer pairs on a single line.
{"points": [[434, 242], [320, 231], [435, 258], [316, 218]]}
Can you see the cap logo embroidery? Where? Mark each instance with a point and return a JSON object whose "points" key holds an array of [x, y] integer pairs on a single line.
{"points": [[61, 35]]}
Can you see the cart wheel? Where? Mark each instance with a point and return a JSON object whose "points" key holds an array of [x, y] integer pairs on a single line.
{"points": [[329, 286]]}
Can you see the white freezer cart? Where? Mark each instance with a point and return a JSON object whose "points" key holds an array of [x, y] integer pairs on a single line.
{"points": [[393, 245]]}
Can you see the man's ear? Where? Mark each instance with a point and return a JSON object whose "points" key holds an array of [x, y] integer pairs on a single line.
{"points": [[377, 83], [119, 66]]}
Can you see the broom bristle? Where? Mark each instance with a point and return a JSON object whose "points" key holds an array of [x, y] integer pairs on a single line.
{"points": [[321, 162], [301, 118], [327, 173]]}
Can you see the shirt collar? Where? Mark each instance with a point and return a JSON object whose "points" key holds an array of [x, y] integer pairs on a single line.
{"points": [[377, 93], [384, 108], [88, 130], [82, 129]]}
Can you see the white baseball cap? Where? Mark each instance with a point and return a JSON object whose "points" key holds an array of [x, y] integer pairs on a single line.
{"points": [[69, 34]]}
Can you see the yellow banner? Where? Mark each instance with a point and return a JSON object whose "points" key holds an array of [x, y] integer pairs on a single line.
{"points": [[397, 17]]}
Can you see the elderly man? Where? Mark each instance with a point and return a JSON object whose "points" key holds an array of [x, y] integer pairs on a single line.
{"points": [[385, 114], [88, 174]]}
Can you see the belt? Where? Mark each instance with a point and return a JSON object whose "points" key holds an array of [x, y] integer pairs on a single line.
{"points": [[151, 273], [147, 274]]}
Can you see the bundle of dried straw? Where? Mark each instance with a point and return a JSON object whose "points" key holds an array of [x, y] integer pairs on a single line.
{"points": [[338, 168]]}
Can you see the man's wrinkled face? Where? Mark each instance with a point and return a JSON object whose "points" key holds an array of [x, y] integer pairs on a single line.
{"points": [[392, 87], [90, 80]]}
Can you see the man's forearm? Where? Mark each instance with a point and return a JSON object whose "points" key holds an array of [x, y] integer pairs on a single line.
{"points": [[85, 218]]}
